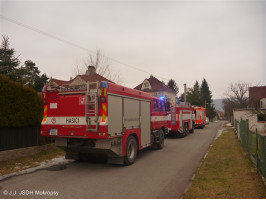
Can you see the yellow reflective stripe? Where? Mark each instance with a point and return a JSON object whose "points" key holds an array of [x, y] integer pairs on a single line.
{"points": [[45, 113], [45, 108], [104, 108]]}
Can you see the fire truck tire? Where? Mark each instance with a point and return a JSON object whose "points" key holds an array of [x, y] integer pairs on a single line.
{"points": [[131, 151], [192, 129], [160, 143], [186, 129]]}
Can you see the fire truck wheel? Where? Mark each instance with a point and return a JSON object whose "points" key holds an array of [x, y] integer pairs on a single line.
{"points": [[160, 144], [186, 130], [131, 151], [193, 127]]}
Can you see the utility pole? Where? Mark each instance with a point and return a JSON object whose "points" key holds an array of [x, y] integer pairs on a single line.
{"points": [[185, 93]]}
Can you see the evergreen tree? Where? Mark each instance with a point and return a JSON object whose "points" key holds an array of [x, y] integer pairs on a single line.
{"points": [[31, 76], [194, 96], [172, 84], [182, 97], [28, 74], [207, 99], [8, 61], [206, 93]]}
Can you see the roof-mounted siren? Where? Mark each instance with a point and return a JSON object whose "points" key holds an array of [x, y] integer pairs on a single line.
{"points": [[104, 84], [162, 97]]}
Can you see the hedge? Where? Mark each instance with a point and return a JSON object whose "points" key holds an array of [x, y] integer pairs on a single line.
{"points": [[19, 105]]}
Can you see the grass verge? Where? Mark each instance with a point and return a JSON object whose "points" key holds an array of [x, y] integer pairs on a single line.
{"points": [[17, 165], [227, 173]]}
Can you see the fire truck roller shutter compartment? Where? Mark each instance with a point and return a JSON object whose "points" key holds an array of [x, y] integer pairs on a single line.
{"points": [[115, 115], [145, 123], [131, 113]]}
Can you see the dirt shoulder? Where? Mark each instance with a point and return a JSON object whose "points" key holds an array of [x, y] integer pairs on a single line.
{"points": [[227, 173]]}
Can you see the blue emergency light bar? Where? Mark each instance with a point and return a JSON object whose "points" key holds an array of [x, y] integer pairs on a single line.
{"points": [[104, 84]]}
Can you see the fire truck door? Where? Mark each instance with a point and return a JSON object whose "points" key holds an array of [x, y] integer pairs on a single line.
{"points": [[145, 123], [115, 117]]}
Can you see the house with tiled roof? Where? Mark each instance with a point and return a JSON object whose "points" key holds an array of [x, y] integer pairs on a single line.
{"points": [[157, 88], [256, 93], [90, 76]]}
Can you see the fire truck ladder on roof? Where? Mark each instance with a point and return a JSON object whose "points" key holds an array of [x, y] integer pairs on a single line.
{"points": [[91, 106]]}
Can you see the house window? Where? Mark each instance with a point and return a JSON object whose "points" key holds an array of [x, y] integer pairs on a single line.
{"points": [[146, 85], [261, 117]]}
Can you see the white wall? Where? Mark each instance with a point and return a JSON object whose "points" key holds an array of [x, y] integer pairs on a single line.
{"points": [[253, 120]]}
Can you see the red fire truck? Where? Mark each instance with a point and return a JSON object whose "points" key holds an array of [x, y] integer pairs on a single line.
{"points": [[200, 117], [105, 118], [181, 120]]}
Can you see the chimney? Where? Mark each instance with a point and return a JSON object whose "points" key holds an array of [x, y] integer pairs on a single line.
{"points": [[185, 93], [91, 70]]}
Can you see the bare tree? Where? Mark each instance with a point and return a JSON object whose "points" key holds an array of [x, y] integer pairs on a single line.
{"points": [[102, 65], [239, 93], [236, 97]]}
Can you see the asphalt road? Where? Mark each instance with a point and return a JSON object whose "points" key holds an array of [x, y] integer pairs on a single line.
{"points": [[162, 173]]}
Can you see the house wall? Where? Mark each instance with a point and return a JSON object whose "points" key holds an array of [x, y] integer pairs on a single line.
{"points": [[77, 81], [53, 83], [263, 103], [144, 83], [253, 120]]}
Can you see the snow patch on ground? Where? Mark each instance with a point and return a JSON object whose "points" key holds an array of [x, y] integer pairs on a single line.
{"points": [[218, 134], [228, 125], [44, 164]]}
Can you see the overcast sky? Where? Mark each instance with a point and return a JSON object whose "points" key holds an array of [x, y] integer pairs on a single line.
{"points": [[221, 41]]}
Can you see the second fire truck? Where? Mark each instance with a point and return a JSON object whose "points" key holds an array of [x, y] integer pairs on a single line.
{"points": [[181, 120]]}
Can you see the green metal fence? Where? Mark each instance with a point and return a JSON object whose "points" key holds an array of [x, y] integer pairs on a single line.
{"points": [[254, 144]]}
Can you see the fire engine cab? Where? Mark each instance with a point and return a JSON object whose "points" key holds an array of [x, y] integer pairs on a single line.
{"points": [[181, 120], [103, 117]]}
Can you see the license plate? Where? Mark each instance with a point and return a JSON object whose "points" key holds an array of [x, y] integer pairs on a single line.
{"points": [[53, 132]]}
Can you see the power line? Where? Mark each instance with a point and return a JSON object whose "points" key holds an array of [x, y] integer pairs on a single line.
{"points": [[71, 43]]}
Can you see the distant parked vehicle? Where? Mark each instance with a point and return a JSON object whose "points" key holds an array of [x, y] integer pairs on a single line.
{"points": [[207, 120]]}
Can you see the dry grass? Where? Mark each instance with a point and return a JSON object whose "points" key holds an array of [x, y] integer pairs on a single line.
{"points": [[227, 173], [11, 166]]}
